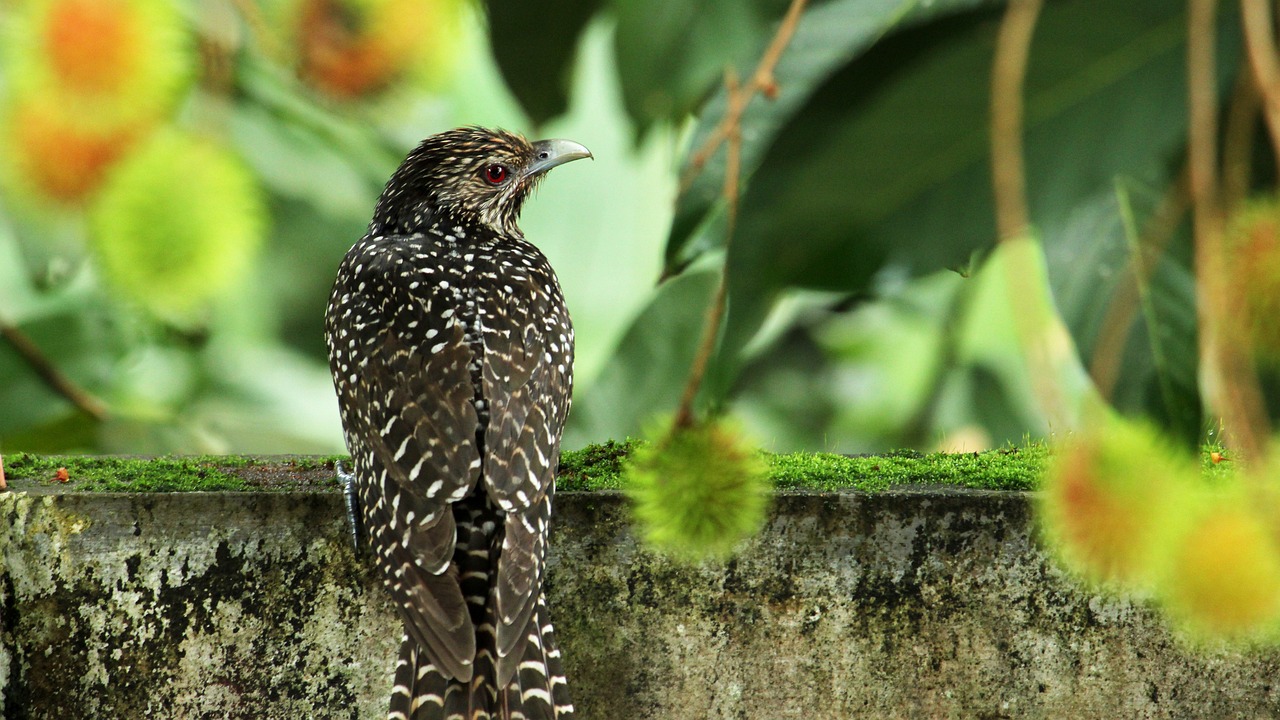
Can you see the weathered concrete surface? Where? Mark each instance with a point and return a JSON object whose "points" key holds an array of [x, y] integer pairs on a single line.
{"points": [[928, 604]]}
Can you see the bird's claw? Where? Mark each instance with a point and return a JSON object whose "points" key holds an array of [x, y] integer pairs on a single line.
{"points": [[348, 480]]}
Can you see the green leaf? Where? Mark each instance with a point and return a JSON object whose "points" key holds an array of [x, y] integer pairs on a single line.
{"points": [[648, 372], [826, 39], [671, 53], [534, 49], [887, 165]]}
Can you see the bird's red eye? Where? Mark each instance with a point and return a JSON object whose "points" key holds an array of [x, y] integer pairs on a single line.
{"points": [[495, 174]]}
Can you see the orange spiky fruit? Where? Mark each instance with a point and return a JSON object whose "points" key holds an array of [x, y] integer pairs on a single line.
{"points": [[86, 79], [115, 62], [352, 48], [61, 158], [1107, 497], [93, 47]]}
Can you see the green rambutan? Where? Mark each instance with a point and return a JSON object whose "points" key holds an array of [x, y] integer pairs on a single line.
{"points": [[176, 223], [698, 491], [1221, 571]]}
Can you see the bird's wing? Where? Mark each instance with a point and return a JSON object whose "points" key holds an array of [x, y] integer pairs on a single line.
{"points": [[406, 393], [527, 382]]}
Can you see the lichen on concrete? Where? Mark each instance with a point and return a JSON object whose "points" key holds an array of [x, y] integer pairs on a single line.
{"points": [[915, 603], [211, 605]]}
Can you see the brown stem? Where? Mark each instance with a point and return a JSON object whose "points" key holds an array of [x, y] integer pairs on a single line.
{"points": [[1260, 42], [1229, 382], [729, 130], [715, 314], [268, 39], [761, 81], [1238, 136], [50, 374], [1008, 71], [3, 485]]}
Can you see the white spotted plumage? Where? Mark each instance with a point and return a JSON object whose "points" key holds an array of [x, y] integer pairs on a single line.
{"points": [[464, 351]]}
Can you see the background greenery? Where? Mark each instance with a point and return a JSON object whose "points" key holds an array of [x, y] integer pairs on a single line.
{"points": [[867, 304]]}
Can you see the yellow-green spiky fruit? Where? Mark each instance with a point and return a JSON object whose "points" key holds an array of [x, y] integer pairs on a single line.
{"points": [[176, 223], [1107, 497], [1221, 570], [698, 491], [111, 63]]}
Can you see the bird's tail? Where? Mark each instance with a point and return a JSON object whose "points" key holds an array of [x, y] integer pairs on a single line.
{"points": [[537, 691]]}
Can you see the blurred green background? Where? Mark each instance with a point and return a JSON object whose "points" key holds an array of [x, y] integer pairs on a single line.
{"points": [[180, 181]]}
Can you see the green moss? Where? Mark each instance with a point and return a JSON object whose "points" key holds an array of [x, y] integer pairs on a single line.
{"points": [[595, 467], [599, 467], [91, 473], [1005, 469]]}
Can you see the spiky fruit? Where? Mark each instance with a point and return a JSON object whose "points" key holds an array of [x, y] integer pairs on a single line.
{"points": [[1222, 574], [58, 157], [353, 48], [1107, 496], [177, 222], [1253, 260], [698, 491], [115, 61]]}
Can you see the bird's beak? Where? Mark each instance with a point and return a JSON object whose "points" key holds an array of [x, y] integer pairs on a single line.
{"points": [[553, 153]]}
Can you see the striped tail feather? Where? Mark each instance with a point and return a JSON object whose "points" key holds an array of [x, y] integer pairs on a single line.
{"points": [[537, 692]]}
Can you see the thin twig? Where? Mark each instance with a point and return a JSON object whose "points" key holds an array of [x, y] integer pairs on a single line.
{"points": [[50, 374], [761, 80], [262, 29], [1008, 72], [715, 314], [3, 485], [1229, 381], [1260, 42], [729, 131]]}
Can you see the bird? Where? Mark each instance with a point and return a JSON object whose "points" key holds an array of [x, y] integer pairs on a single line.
{"points": [[451, 350]]}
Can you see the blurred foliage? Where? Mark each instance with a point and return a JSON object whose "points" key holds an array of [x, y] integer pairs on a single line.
{"points": [[866, 309]]}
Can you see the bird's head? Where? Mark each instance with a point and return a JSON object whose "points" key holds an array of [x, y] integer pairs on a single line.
{"points": [[473, 174]]}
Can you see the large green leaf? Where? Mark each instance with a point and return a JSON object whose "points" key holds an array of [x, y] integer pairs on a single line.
{"points": [[647, 374], [672, 52], [826, 39], [1091, 270], [534, 47], [887, 163]]}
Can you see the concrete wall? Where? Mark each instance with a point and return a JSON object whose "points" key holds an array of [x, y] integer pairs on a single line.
{"points": [[922, 604]]}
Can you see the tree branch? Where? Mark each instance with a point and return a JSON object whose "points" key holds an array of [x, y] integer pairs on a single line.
{"points": [[761, 81], [50, 374], [1008, 73], [1261, 45], [1228, 379], [729, 131]]}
